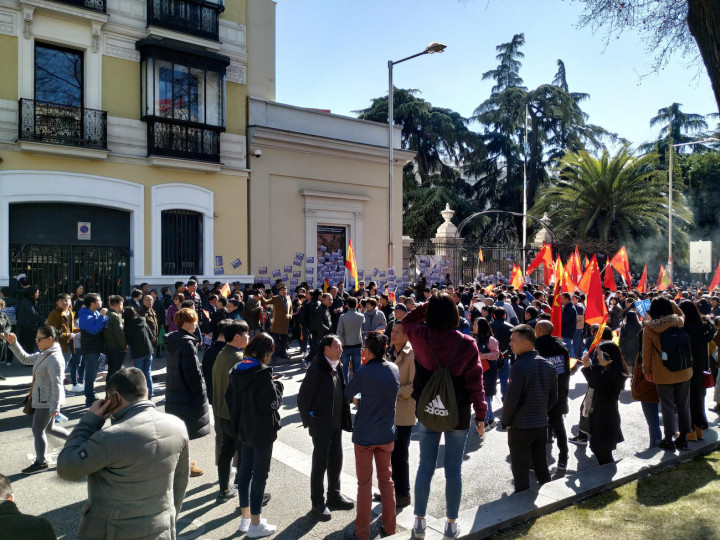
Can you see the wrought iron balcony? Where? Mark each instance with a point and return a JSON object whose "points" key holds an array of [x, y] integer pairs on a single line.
{"points": [[185, 140], [197, 17], [52, 123], [95, 5]]}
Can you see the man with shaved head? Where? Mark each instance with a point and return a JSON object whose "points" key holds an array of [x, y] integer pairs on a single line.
{"points": [[554, 350]]}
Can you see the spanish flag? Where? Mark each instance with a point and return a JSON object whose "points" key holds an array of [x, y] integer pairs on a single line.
{"points": [[225, 290], [663, 280], [480, 256], [516, 278], [351, 263]]}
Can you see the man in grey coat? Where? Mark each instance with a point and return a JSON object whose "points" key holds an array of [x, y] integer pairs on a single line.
{"points": [[349, 330], [137, 468]]}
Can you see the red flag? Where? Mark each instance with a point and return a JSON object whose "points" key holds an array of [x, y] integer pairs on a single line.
{"points": [[556, 313], [351, 264], [480, 256], [516, 278], [225, 290], [609, 279], [598, 336], [544, 255], [643, 280], [326, 285], [621, 263], [595, 308], [716, 279], [662, 281]]}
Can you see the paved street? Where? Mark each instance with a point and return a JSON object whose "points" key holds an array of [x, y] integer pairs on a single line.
{"points": [[486, 471]]}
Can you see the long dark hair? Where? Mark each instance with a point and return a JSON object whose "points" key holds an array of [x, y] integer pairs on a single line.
{"points": [[613, 353], [660, 307], [484, 330], [260, 347], [693, 319], [129, 314]]}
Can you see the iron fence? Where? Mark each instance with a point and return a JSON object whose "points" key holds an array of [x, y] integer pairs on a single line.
{"points": [[463, 261], [95, 5], [197, 17], [41, 121], [180, 139]]}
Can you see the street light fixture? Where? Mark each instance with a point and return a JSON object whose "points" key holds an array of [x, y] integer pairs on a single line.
{"points": [[670, 197], [433, 47]]}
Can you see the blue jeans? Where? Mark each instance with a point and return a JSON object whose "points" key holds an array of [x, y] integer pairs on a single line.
{"points": [[74, 366], [91, 368], [454, 452], [504, 376], [489, 416], [652, 416], [577, 344], [353, 355], [143, 364]]}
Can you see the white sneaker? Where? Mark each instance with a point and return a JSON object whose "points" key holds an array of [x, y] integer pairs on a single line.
{"points": [[418, 530], [263, 529], [452, 531], [244, 525], [78, 389]]}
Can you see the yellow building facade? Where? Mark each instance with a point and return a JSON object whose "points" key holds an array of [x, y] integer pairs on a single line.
{"points": [[123, 129]]}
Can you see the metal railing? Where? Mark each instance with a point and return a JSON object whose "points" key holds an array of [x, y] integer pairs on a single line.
{"points": [[185, 140], [52, 123], [462, 260], [95, 5], [197, 17]]}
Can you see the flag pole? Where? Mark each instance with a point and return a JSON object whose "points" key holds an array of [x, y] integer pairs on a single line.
{"points": [[524, 219]]}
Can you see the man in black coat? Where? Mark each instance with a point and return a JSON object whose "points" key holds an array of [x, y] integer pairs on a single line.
{"points": [[531, 394], [554, 351], [14, 524], [569, 320], [501, 330], [325, 412], [323, 318]]}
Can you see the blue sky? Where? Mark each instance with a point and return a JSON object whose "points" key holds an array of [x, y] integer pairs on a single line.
{"points": [[332, 54]]}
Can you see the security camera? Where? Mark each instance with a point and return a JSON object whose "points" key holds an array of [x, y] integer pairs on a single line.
{"points": [[257, 153]]}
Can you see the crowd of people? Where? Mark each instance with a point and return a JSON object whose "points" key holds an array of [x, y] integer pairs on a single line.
{"points": [[431, 360]]}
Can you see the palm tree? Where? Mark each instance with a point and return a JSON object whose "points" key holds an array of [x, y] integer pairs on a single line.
{"points": [[676, 126], [612, 200]]}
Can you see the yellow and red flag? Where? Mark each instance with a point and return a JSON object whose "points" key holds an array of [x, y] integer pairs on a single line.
{"points": [[609, 279], [585, 262], [516, 277], [481, 258], [598, 336], [351, 263], [556, 312], [663, 281], [225, 290], [621, 263], [543, 256], [716, 279], [643, 280], [591, 285]]}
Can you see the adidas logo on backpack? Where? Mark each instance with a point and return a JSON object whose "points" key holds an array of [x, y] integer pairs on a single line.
{"points": [[436, 407]]}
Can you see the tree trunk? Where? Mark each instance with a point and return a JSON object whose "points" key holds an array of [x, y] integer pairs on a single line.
{"points": [[704, 23]]}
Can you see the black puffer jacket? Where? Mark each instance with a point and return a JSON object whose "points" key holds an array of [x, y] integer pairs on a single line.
{"points": [[139, 337], [554, 351], [532, 392], [185, 395], [254, 399]]}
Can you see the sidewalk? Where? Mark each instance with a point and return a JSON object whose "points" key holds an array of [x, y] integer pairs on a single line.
{"points": [[485, 520]]}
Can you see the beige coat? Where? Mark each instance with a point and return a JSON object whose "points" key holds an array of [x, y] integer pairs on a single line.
{"points": [[652, 359], [281, 315], [405, 407]]}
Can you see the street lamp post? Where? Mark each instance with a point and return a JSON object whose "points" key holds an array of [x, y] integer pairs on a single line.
{"points": [[670, 197], [433, 47]]}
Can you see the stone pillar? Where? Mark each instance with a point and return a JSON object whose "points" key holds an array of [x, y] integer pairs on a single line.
{"points": [[448, 244]]}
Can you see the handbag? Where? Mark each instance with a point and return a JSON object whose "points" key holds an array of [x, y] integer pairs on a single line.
{"points": [[708, 381], [27, 402]]}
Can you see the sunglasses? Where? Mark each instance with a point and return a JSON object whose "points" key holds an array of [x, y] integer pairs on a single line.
{"points": [[39, 339]]}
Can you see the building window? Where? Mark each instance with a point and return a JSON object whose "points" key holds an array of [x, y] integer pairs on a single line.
{"points": [[58, 75], [57, 114], [182, 100], [182, 243]]}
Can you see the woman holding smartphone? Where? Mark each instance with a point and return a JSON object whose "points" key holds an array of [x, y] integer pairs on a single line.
{"points": [[48, 392]]}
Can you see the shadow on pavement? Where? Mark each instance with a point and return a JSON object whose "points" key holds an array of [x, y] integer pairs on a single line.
{"points": [[676, 483], [65, 520]]}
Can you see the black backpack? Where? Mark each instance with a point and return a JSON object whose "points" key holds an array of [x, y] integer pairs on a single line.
{"points": [[675, 349], [437, 407]]}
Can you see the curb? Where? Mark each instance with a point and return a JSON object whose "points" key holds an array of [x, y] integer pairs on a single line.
{"points": [[511, 510]]}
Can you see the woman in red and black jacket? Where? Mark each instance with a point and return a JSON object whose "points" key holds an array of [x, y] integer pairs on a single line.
{"points": [[438, 337]]}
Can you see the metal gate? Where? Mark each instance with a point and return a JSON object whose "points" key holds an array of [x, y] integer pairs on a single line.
{"points": [[56, 269]]}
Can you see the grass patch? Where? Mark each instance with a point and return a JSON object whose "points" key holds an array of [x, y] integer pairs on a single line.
{"points": [[681, 502]]}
